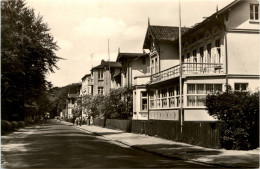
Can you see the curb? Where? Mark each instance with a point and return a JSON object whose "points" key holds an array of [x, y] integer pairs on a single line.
{"points": [[162, 155], [155, 153]]}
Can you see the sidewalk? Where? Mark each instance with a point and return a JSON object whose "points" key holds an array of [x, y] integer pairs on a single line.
{"points": [[172, 149]]}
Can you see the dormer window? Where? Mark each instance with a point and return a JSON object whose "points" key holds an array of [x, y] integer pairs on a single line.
{"points": [[254, 10]]}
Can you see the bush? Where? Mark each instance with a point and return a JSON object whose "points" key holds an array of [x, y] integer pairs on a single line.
{"points": [[4, 126], [14, 124], [21, 124], [238, 113]]}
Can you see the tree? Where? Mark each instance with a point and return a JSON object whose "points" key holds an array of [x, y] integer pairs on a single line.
{"points": [[27, 54], [238, 113]]}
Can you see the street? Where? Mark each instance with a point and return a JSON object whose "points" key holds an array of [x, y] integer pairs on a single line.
{"points": [[54, 145]]}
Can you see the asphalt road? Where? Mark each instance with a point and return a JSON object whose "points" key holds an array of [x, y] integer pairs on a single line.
{"points": [[54, 145]]}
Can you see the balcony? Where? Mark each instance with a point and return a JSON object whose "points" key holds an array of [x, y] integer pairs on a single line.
{"points": [[188, 69]]}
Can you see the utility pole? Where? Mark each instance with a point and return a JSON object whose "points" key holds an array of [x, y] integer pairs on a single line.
{"points": [[180, 57]]}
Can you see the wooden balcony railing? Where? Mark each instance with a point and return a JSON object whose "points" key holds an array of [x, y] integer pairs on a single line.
{"points": [[187, 68]]}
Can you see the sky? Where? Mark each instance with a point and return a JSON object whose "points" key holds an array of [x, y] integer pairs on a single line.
{"points": [[82, 28]]}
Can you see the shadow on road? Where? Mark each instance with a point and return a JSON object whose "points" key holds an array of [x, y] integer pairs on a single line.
{"points": [[60, 146]]}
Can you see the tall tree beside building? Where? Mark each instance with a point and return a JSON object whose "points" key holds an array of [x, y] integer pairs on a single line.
{"points": [[27, 54]]}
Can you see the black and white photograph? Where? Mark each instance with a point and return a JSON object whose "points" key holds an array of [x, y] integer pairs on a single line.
{"points": [[130, 84]]}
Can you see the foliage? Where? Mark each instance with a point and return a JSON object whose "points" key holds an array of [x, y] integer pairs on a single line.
{"points": [[239, 116], [21, 124], [14, 124], [117, 105], [58, 96], [27, 54]]}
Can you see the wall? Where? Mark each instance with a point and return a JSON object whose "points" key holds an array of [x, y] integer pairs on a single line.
{"points": [[239, 17], [138, 114], [253, 83], [169, 55], [164, 114], [138, 68], [243, 53], [197, 115]]}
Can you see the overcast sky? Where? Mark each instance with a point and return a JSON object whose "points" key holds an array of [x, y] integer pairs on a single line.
{"points": [[82, 28]]}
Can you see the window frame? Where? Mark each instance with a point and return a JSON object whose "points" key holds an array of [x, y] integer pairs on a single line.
{"points": [[100, 88], [142, 99], [240, 86], [100, 75], [197, 93], [253, 13]]}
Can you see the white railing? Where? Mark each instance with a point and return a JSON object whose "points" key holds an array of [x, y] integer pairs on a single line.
{"points": [[187, 69]]}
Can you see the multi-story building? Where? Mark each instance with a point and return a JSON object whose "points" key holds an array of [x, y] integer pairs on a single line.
{"points": [[70, 104], [86, 85], [222, 49], [135, 73], [86, 89], [104, 77]]}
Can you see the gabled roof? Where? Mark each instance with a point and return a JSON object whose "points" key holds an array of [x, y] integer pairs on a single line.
{"points": [[112, 64], [120, 56], [84, 77], [106, 64], [214, 16], [162, 33]]}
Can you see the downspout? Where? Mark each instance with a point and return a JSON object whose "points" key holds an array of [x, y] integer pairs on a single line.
{"points": [[180, 60]]}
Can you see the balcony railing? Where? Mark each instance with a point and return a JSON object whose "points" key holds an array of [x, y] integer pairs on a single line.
{"points": [[187, 69]]}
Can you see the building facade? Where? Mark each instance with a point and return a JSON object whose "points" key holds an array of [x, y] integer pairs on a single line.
{"points": [[104, 77], [221, 50], [70, 104], [135, 74]]}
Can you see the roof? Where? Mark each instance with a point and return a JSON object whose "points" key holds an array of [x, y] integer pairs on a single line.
{"points": [[162, 33], [214, 16], [84, 77], [107, 64], [129, 55]]}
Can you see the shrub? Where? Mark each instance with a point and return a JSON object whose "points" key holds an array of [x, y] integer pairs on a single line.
{"points": [[4, 126], [238, 113], [14, 124], [21, 124], [9, 126]]}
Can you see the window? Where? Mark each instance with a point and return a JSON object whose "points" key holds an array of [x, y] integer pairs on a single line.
{"points": [[196, 93], [164, 98], [143, 100], [152, 67], [100, 75], [218, 52], [171, 97], [254, 10], [194, 54], [209, 53], [152, 100], [156, 66], [100, 90], [158, 99], [201, 55], [241, 86]]}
